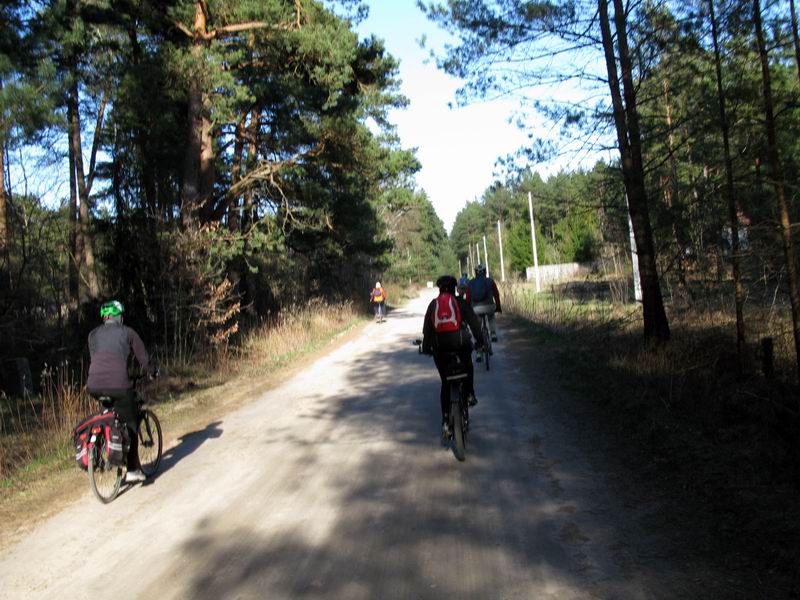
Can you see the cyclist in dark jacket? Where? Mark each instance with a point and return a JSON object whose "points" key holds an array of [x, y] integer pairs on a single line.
{"points": [[483, 296], [110, 344], [442, 344]]}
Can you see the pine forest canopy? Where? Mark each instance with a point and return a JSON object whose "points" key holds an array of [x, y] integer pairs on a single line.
{"points": [[226, 158]]}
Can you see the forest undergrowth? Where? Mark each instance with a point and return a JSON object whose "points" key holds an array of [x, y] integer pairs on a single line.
{"points": [[729, 442]]}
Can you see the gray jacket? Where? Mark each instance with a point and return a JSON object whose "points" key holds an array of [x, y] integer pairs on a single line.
{"points": [[110, 345]]}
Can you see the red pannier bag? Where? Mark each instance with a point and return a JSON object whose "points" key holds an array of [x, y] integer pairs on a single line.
{"points": [[103, 424]]}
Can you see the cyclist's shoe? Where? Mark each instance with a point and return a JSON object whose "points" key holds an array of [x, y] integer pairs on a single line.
{"points": [[472, 399], [479, 356], [494, 337], [134, 476], [446, 433]]}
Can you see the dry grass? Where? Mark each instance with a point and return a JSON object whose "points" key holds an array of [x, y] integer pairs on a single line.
{"points": [[560, 311], [685, 393], [399, 292], [33, 428], [293, 330], [702, 335]]}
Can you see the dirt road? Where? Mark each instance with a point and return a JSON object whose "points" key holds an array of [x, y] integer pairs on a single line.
{"points": [[335, 485]]}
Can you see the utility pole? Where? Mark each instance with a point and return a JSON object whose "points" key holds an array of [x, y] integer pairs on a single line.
{"points": [[486, 257], [533, 243], [478, 251], [502, 264]]}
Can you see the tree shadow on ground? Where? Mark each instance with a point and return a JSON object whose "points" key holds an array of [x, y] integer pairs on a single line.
{"points": [[406, 520], [717, 458]]}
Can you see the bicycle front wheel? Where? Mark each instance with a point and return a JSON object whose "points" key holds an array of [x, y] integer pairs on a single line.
{"points": [[150, 442], [457, 417], [104, 478]]}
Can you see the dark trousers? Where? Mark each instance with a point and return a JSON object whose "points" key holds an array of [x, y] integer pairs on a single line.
{"points": [[127, 409], [441, 360]]}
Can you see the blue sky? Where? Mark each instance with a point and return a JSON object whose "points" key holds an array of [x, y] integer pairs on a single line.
{"points": [[457, 147]]}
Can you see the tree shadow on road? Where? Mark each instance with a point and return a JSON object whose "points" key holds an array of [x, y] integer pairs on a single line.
{"points": [[408, 520], [398, 517]]}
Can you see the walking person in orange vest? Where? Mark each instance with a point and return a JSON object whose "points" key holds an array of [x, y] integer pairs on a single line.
{"points": [[378, 300]]}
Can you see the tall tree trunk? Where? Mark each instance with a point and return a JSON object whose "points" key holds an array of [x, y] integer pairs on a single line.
{"points": [[198, 168], [5, 263], [207, 174], [626, 120], [148, 178], [73, 259], [190, 191], [5, 255], [88, 277], [795, 36], [672, 195], [776, 174], [733, 210], [249, 212], [236, 170]]}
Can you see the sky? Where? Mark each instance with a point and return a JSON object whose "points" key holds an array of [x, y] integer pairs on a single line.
{"points": [[457, 147]]}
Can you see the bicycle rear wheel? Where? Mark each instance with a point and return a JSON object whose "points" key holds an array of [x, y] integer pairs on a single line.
{"points": [[487, 340], [150, 442], [457, 418], [104, 478]]}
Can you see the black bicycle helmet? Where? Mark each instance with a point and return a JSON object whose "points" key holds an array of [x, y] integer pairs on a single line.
{"points": [[447, 283]]}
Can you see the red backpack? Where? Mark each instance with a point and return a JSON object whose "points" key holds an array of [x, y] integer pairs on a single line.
{"points": [[446, 314]]}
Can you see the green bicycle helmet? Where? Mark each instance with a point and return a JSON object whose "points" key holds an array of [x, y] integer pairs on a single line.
{"points": [[112, 308]]}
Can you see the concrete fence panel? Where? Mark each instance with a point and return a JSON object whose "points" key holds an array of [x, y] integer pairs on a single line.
{"points": [[562, 272]]}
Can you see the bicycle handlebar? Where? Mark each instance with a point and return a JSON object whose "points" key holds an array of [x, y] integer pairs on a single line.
{"points": [[156, 372]]}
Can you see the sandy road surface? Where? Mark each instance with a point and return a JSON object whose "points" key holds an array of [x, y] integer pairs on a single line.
{"points": [[335, 485]]}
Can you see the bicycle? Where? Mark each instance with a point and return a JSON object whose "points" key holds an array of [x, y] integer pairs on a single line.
{"points": [[456, 374], [105, 478], [487, 334]]}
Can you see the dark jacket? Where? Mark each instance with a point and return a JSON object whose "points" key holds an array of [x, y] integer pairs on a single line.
{"points": [[494, 293], [454, 340], [109, 347]]}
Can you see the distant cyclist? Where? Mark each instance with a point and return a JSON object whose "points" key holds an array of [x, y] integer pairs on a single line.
{"points": [[463, 285], [445, 331], [484, 297], [110, 344]]}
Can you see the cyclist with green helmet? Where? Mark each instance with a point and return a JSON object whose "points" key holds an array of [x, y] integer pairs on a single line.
{"points": [[110, 344]]}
